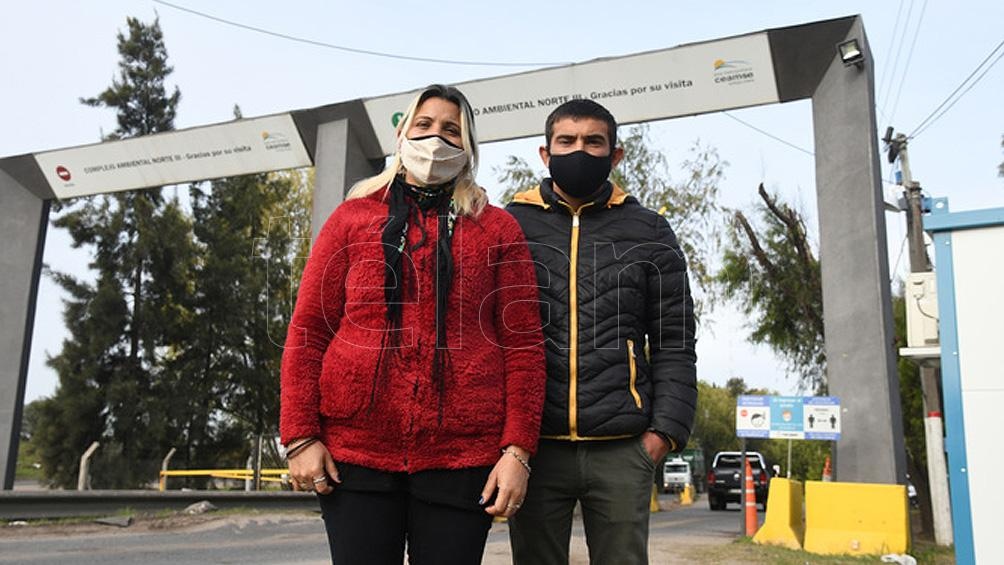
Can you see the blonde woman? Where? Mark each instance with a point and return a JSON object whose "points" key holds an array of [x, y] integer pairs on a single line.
{"points": [[413, 375]]}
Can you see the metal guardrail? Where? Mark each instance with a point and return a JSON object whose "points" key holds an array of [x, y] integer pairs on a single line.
{"points": [[27, 505]]}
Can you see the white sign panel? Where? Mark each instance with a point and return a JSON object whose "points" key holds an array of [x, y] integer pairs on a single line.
{"points": [[753, 416], [236, 148], [682, 81], [821, 418], [788, 417]]}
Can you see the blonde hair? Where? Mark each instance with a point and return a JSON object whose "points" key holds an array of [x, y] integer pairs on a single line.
{"points": [[469, 198]]}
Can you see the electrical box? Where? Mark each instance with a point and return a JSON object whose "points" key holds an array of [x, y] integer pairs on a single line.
{"points": [[921, 310]]}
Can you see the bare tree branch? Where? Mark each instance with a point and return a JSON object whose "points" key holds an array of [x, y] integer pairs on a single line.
{"points": [[758, 252]]}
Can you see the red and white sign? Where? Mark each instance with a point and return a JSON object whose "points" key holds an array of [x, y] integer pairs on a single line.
{"points": [[240, 147]]}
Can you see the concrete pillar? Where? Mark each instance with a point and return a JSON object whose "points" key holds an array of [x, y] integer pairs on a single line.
{"points": [[23, 221], [857, 309], [339, 161]]}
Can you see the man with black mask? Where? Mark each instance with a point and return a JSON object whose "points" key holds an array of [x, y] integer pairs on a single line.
{"points": [[619, 329]]}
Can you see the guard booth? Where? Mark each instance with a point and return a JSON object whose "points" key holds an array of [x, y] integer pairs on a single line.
{"points": [[829, 62], [969, 255]]}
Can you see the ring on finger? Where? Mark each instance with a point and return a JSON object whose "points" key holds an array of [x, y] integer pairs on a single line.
{"points": [[321, 479]]}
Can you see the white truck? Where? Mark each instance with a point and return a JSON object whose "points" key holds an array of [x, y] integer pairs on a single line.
{"points": [[675, 475]]}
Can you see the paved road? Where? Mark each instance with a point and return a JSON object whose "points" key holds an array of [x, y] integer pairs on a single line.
{"points": [[299, 539]]}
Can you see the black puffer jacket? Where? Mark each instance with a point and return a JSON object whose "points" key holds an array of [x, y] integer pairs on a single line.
{"points": [[610, 277]]}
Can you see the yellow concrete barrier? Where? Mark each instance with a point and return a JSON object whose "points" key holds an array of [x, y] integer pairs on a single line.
{"points": [[856, 518], [687, 495], [783, 524]]}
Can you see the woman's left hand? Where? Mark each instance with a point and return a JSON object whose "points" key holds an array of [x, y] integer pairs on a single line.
{"points": [[508, 481]]}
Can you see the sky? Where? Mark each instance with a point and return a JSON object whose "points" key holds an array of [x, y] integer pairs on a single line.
{"points": [[54, 52]]}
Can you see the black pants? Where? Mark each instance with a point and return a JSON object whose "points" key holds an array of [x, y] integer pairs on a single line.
{"points": [[372, 525]]}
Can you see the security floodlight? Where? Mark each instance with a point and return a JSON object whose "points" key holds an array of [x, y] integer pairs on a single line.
{"points": [[850, 53]]}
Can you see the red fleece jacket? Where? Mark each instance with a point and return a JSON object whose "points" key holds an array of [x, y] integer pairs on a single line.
{"points": [[494, 386]]}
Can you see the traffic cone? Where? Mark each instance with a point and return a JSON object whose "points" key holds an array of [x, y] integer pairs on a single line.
{"points": [[751, 519], [827, 470]]}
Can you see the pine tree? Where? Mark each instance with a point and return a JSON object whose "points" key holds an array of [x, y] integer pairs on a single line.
{"points": [[121, 325], [252, 233]]}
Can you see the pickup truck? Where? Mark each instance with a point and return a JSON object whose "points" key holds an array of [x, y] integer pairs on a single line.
{"points": [[725, 479]]}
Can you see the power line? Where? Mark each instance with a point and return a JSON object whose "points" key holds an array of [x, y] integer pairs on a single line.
{"points": [[899, 50], [354, 49], [770, 135], [788, 143], [888, 52], [931, 118], [909, 58], [895, 269], [884, 117], [968, 88]]}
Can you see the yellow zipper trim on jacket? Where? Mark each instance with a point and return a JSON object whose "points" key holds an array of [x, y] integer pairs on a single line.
{"points": [[573, 325], [633, 370]]}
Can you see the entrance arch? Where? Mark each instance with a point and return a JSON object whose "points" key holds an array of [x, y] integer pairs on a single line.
{"points": [[348, 141]]}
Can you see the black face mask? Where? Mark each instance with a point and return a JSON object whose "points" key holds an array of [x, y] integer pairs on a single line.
{"points": [[580, 174]]}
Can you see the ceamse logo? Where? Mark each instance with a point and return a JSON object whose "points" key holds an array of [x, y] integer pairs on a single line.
{"points": [[733, 72], [275, 141]]}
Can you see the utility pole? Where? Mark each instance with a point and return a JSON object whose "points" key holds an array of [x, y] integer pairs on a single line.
{"points": [[937, 468]]}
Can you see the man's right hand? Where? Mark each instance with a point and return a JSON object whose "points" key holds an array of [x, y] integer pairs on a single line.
{"points": [[313, 469]]}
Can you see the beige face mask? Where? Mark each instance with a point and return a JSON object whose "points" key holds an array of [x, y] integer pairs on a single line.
{"points": [[431, 160]]}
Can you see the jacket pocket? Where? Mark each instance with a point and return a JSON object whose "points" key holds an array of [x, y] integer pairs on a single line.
{"points": [[347, 380], [633, 374]]}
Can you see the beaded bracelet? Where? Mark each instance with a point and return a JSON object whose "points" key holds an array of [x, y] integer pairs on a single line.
{"points": [[522, 461]]}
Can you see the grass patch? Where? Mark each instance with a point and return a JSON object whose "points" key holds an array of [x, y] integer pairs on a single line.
{"points": [[26, 469], [929, 553], [65, 521], [74, 520], [163, 515], [744, 550]]}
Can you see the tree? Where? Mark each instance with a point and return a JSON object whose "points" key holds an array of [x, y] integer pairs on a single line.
{"points": [[139, 95], [27, 456], [691, 204], [771, 273], [808, 457], [74, 416], [774, 276], [121, 324], [252, 233], [715, 420], [912, 402]]}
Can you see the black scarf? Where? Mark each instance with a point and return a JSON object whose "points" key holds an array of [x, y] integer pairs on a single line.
{"points": [[409, 203]]}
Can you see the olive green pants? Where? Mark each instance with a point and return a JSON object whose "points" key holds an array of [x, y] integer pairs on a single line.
{"points": [[612, 480]]}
